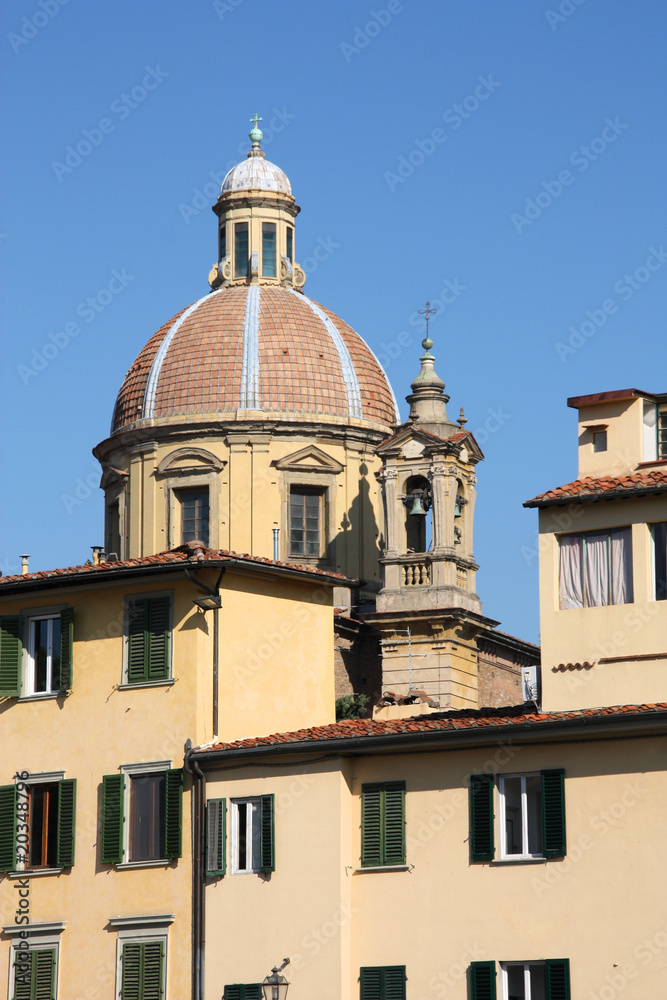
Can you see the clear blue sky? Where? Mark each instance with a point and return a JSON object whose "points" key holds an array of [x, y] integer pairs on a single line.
{"points": [[350, 101]]}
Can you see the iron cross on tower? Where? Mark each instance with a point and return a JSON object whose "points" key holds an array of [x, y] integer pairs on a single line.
{"points": [[255, 118], [427, 312]]}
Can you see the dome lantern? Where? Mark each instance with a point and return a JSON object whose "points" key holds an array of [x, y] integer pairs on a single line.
{"points": [[256, 212]]}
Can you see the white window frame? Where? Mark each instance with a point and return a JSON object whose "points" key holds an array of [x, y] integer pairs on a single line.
{"points": [[137, 771], [254, 834], [141, 929], [28, 655], [42, 936], [654, 570], [525, 855], [527, 966]]}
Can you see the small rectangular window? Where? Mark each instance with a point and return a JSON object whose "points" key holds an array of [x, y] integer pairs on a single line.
{"points": [[600, 441], [147, 816], [290, 244], [305, 522], [243, 991], [521, 816], [142, 970], [382, 982], [43, 655], [34, 974], [113, 529], [523, 981], [222, 241], [194, 515], [383, 824], [662, 431], [148, 641], [268, 249], [659, 533], [252, 834], [240, 249]]}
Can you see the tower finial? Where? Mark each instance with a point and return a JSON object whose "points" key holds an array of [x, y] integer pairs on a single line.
{"points": [[255, 135], [427, 312]]}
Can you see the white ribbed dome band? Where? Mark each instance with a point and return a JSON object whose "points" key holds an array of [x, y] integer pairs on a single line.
{"points": [[154, 374], [250, 364]]}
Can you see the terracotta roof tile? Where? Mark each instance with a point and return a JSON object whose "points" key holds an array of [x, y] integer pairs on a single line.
{"points": [[603, 487], [480, 718], [191, 553]]}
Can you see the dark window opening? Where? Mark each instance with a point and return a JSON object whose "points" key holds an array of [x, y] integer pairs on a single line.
{"points": [[43, 836], [113, 528], [660, 560], [268, 249], [290, 244], [305, 522], [241, 250], [222, 242], [600, 441], [147, 817], [194, 515]]}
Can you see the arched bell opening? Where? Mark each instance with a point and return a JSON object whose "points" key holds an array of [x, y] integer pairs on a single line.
{"points": [[418, 520], [459, 513]]}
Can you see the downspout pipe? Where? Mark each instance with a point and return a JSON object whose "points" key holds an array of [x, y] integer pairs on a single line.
{"points": [[198, 935]]}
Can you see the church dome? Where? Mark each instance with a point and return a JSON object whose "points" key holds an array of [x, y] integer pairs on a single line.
{"points": [[255, 348], [256, 173]]}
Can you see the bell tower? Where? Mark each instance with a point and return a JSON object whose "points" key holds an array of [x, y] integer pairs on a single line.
{"points": [[428, 613]]}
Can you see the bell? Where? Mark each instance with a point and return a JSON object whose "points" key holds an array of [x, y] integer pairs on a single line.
{"points": [[418, 506]]}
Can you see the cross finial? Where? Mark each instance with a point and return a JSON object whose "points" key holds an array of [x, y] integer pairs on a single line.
{"points": [[255, 118], [427, 312]]}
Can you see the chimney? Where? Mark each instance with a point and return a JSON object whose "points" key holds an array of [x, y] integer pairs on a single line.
{"points": [[97, 549], [24, 565]]}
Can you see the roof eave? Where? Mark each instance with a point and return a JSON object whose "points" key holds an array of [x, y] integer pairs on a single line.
{"points": [[595, 497]]}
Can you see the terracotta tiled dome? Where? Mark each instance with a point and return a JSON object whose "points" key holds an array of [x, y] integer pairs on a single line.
{"points": [[255, 348]]}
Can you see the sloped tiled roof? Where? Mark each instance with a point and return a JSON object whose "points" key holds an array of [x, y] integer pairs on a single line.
{"points": [[474, 719], [603, 488], [191, 553]]}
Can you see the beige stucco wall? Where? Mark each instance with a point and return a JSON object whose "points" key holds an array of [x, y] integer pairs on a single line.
{"points": [[624, 437], [276, 673], [249, 496], [602, 906], [578, 635]]}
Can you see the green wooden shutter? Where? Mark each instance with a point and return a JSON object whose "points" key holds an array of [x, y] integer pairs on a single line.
{"points": [[394, 982], [10, 657], [370, 983], [152, 972], [371, 825], [131, 971], [216, 837], [253, 991], [267, 855], [394, 824], [173, 824], [23, 977], [158, 639], [553, 814], [113, 794], [557, 975], [8, 796], [234, 991], [136, 641], [482, 981], [64, 682], [481, 817], [66, 822], [43, 974]]}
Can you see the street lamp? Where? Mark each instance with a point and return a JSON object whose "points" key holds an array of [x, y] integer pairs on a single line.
{"points": [[275, 986]]}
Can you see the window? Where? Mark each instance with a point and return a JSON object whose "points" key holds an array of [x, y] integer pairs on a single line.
{"points": [[34, 973], [383, 824], [290, 244], [268, 249], [531, 812], [305, 521], [216, 838], [662, 430], [659, 535], [142, 970], [37, 823], [150, 796], [548, 980], [194, 515], [655, 431], [243, 991], [36, 654], [599, 441], [240, 249], [222, 242], [148, 640], [382, 982], [596, 569], [253, 835], [113, 529]]}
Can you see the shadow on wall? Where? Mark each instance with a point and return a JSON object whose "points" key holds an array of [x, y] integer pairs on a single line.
{"points": [[359, 544]]}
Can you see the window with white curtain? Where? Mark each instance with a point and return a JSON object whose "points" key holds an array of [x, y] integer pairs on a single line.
{"points": [[595, 569]]}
